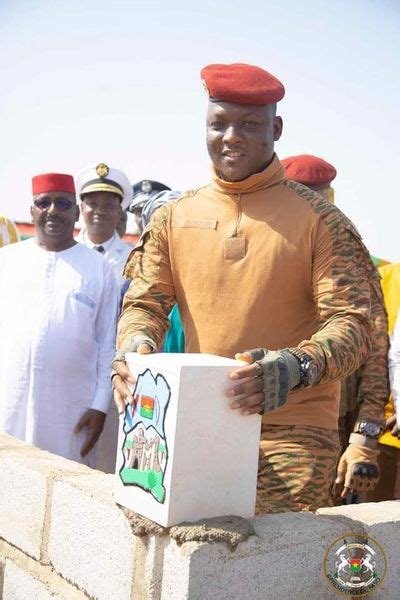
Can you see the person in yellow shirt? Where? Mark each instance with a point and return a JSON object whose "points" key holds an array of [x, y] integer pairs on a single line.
{"points": [[8, 232]]}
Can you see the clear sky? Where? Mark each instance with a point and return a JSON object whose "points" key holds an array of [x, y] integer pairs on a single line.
{"points": [[92, 81]]}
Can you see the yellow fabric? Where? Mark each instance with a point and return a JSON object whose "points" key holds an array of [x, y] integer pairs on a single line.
{"points": [[8, 232], [391, 290]]}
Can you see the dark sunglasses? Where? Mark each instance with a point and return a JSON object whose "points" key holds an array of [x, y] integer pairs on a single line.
{"points": [[60, 203]]}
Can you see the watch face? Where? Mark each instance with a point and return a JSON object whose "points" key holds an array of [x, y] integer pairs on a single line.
{"points": [[372, 429], [308, 371], [312, 373]]}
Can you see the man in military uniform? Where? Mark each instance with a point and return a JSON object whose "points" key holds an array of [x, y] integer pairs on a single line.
{"points": [[150, 194], [105, 192], [257, 263], [365, 392]]}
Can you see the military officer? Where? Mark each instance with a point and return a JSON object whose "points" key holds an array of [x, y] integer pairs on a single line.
{"points": [[266, 270], [145, 193], [105, 192]]}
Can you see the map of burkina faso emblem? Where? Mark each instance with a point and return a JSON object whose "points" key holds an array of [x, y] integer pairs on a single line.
{"points": [[144, 447], [355, 564]]}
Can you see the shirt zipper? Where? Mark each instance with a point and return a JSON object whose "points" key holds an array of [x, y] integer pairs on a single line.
{"points": [[239, 216]]}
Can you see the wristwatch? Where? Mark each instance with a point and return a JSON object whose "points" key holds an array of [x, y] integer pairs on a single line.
{"points": [[308, 368], [368, 428]]}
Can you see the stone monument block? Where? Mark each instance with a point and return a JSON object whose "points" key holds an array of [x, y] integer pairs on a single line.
{"points": [[183, 453]]}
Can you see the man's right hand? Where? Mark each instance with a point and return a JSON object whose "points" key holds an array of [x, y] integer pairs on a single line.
{"points": [[357, 471], [123, 377]]}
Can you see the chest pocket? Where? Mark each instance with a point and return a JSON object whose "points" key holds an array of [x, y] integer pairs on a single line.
{"points": [[182, 223], [83, 298]]}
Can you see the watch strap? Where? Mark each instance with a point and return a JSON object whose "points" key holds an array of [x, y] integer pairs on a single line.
{"points": [[297, 352], [363, 440], [307, 366]]}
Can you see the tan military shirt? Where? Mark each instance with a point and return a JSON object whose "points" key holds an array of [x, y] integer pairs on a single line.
{"points": [[263, 262]]}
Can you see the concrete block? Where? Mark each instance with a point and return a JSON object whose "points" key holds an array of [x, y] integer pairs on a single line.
{"points": [[388, 536], [8, 442], [176, 581], [19, 585], [25, 472], [153, 567], [284, 560], [23, 505], [368, 512], [90, 540], [180, 438]]}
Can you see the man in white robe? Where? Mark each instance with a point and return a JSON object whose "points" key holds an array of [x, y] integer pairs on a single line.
{"points": [[58, 309]]}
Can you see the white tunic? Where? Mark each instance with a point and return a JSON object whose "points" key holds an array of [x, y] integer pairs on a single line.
{"points": [[57, 321]]}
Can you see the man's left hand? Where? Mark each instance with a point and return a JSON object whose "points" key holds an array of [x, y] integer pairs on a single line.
{"points": [[93, 421]]}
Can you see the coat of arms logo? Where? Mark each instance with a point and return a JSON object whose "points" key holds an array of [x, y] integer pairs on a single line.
{"points": [[355, 564], [144, 447], [102, 170]]}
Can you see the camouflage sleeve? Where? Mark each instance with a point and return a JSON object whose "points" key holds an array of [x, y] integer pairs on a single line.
{"points": [[151, 294], [373, 388], [341, 290]]}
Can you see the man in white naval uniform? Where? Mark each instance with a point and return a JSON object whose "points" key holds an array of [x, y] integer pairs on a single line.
{"points": [[105, 192], [58, 309]]}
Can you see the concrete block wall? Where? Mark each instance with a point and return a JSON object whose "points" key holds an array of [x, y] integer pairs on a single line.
{"points": [[63, 537], [60, 525]]}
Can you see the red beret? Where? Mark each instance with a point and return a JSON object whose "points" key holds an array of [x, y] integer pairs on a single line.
{"points": [[241, 84], [308, 170], [53, 182]]}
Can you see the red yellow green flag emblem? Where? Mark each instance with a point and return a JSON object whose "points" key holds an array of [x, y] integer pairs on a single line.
{"points": [[147, 407], [355, 564]]}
